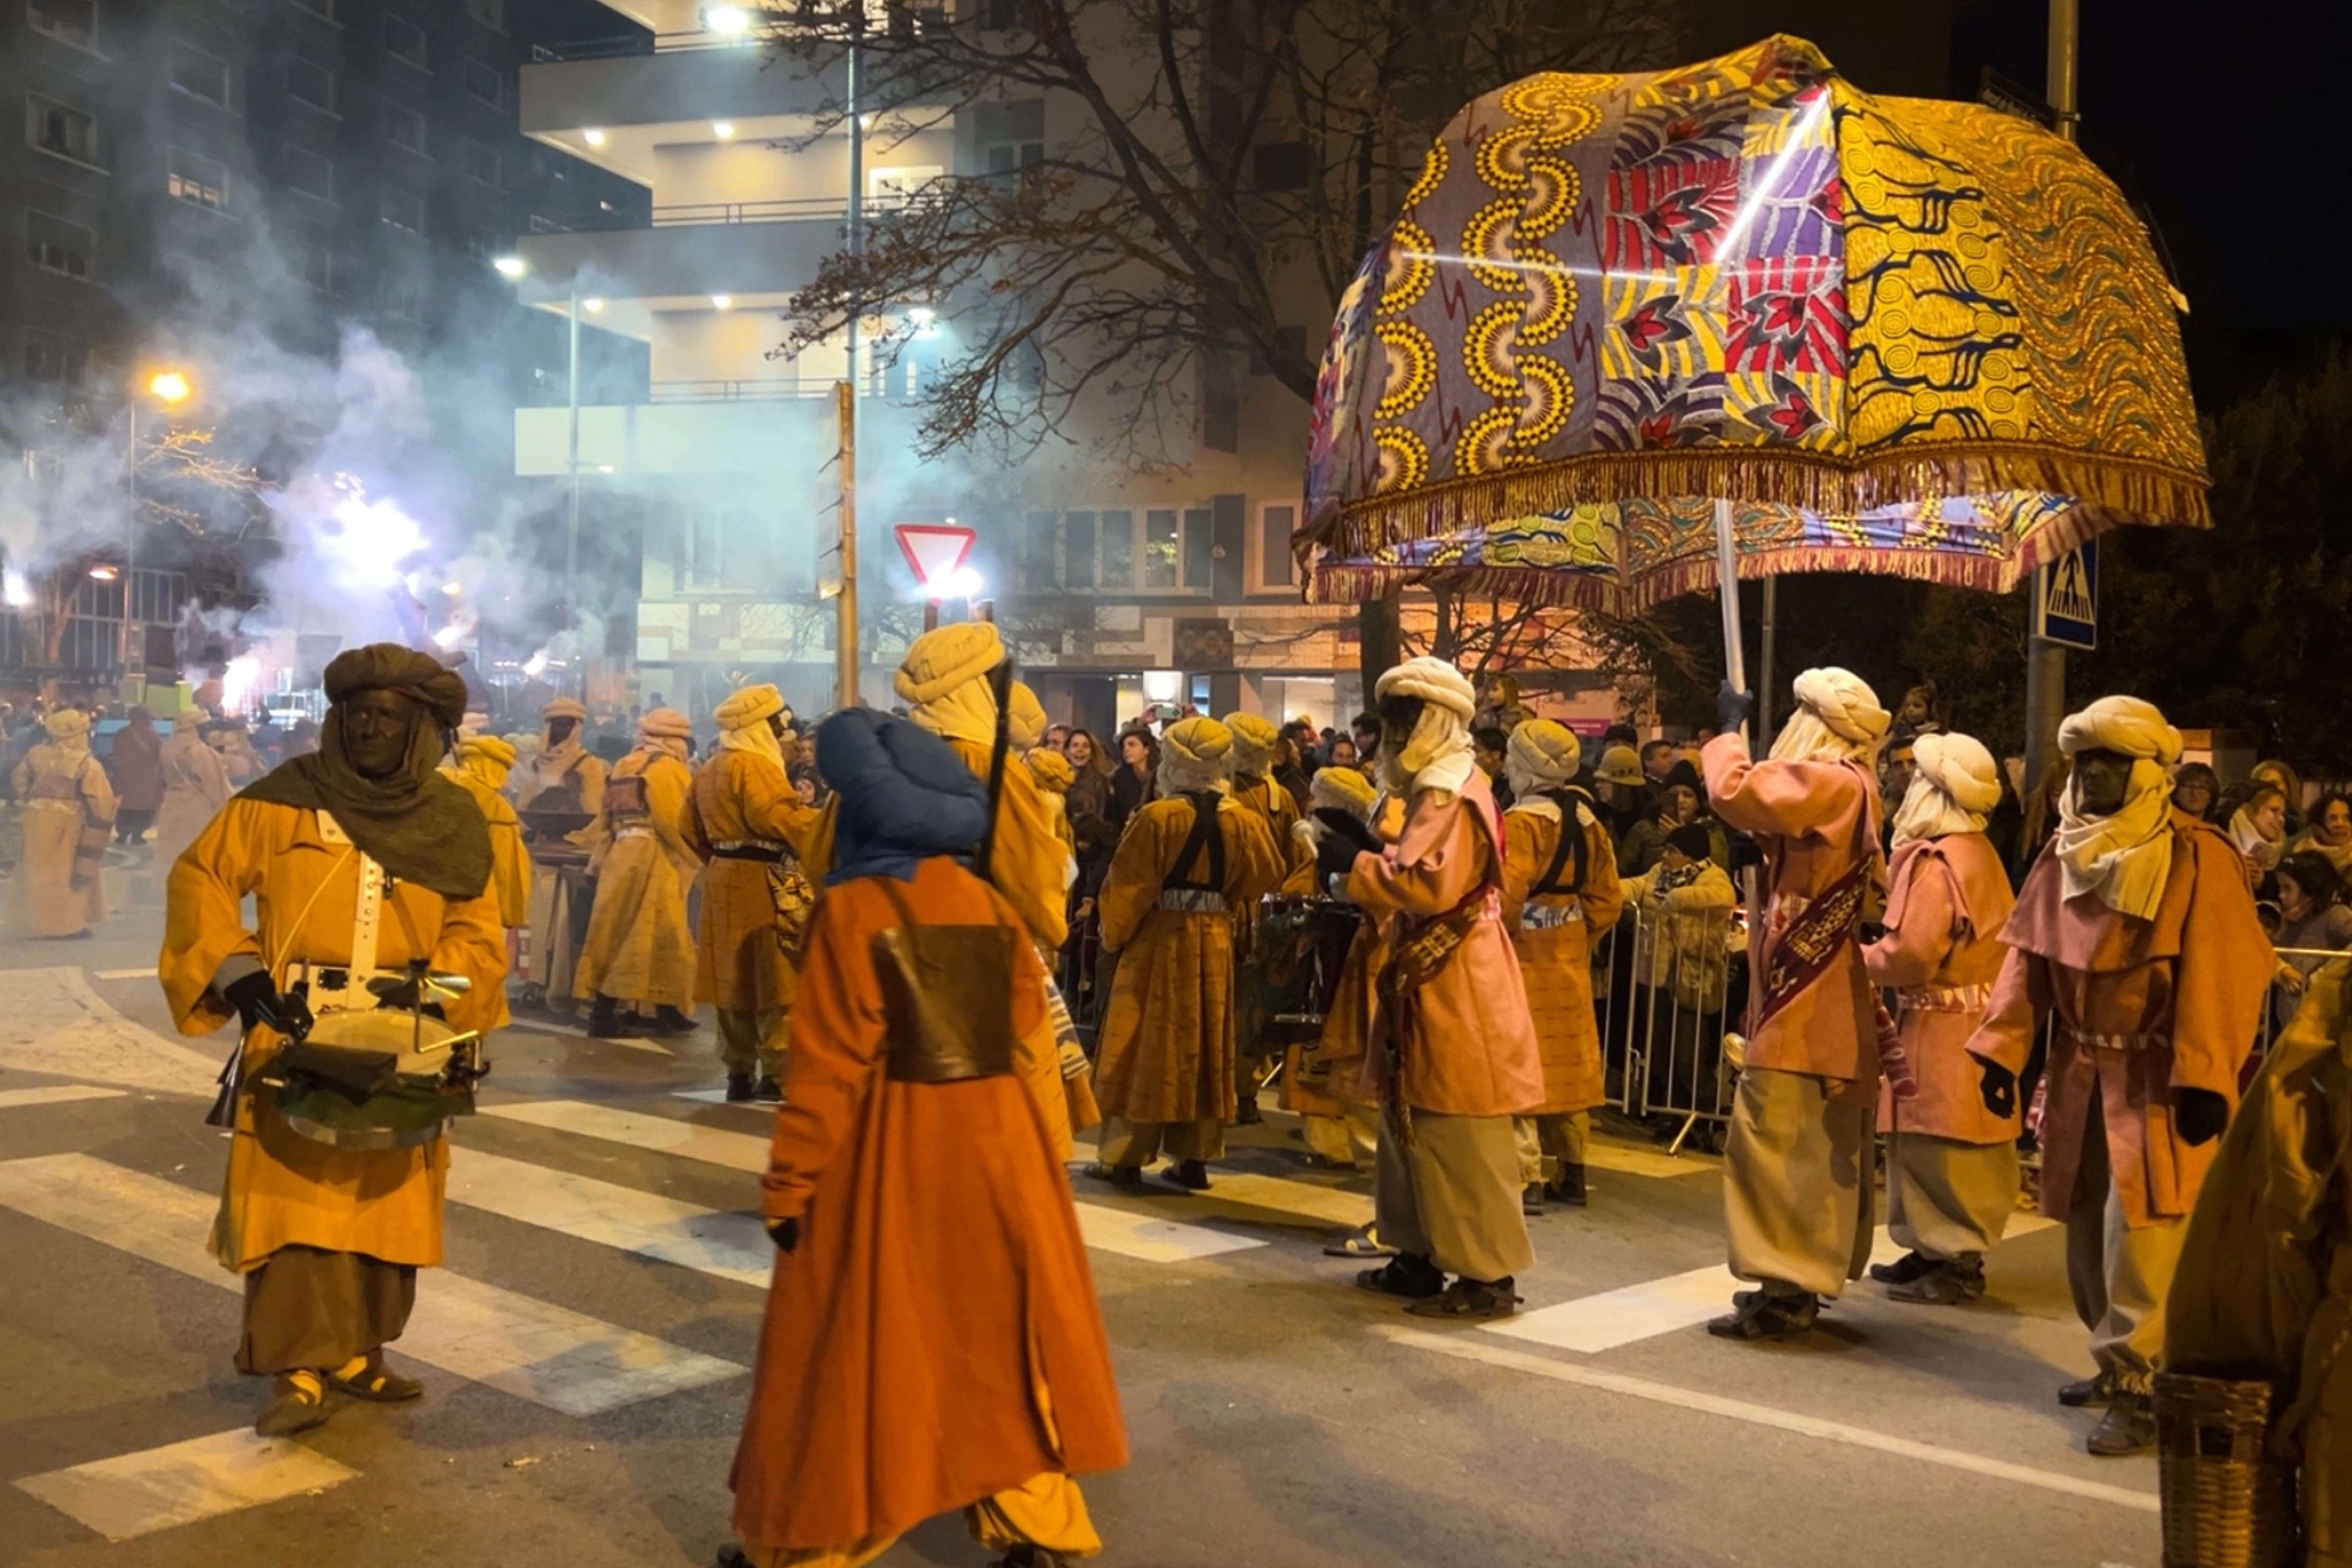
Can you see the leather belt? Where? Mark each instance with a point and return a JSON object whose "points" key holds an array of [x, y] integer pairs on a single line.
{"points": [[758, 849], [2115, 1042], [1945, 998], [1551, 917], [1192, 901]]}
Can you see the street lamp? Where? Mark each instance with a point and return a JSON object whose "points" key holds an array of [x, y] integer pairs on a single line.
{"points": [[513, 267], [170, 388]]}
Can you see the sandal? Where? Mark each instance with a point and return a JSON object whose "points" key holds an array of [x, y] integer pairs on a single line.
{"points": [[1117, 1175], [298, 1403], [1408, 1275], [1471, 1301], [366, 1377], [1363, 1243]]}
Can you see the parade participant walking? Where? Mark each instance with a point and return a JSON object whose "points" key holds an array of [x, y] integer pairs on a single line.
{"points": [[1324, 1081], [68, 821], [2136, 928], [195, 786], [932, 1341], [480, 766], [1797, 1193], [1454, 1049], [1560, 885], [359, 859], [1257, 748], [230, 738], [138, 776], [640, 948], [563, 775], [1952, 1180], [746, 825], [563, 778], [1165, 1055]]}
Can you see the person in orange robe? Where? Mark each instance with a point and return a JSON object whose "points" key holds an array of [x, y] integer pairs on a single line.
{"points": [[2135, 928], [1797, 1182], [1952, 1176], [1257, 748], [1319, 1077], [932, 1340], [640, 947], [1454, 1049], [1560, 885], [480, 766]]}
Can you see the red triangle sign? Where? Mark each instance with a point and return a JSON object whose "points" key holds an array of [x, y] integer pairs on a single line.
{"points": [[934, 551]]}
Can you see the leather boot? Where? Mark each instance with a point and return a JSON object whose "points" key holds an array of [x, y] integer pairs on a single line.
{"points": [[1568, 1187], [605, 1021]]}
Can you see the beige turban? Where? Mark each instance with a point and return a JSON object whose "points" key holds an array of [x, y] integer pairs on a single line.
{"points": [[563, 707], [1024, 720], [487, 758], [1432, 680], [942, 678], [1837, 717], [1255, 743], [1342, 789], [1438, 753], [665, 724], [2126, 856], [67, 724], [1544, 754], [1954, 784], [750, 705], [1195, 755]]}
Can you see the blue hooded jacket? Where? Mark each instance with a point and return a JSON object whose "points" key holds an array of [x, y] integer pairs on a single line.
{"points": [[905, 795]]}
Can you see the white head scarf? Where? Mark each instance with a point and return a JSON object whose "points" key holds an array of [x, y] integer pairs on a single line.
{"points": [[1837, 717], [1438, 754], [2126, 856], [743, 723], [1541, 756], [1954, 784]]}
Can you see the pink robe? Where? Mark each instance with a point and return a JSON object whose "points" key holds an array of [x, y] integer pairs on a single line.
{"points": [[1473, 1052], [1941, 953], [1811, 819], [2173, 1003]]}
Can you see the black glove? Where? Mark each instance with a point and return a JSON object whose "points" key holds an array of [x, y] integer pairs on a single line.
{"points": [[2201, 1114], [1998, 1085], [1732, 707], [785, 1233], [404, 999], [257, 1001], [1349, 827], [1335, 856]]}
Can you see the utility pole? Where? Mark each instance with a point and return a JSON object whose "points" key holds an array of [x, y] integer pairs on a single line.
{"points": [[846, 605], [2045, 661], [571, 533]]}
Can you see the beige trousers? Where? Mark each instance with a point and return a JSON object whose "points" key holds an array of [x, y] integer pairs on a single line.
{"points": [[1799, 1203], [2120, 1276], [1349, 1139], [753, 1039], [1947, 1199], [1140, 1142], [1545, 1144], [1046, 1511], [1454, 1196]]}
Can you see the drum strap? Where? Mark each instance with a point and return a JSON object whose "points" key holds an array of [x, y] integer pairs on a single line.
{"points": [[1571, 845], [367, 912], [1204, 838]]}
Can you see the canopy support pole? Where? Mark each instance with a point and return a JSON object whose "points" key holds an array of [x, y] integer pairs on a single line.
{"points": [[1726, 580]]}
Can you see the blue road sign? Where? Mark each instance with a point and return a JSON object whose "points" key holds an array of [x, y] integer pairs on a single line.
{"points": [[2066, 599]]}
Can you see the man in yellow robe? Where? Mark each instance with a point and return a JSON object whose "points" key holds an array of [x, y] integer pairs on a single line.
{"points": [[640, 948], [1257, 745], [69, 816], [480, 766], [746, 826], [359, 857], [560, 775]]}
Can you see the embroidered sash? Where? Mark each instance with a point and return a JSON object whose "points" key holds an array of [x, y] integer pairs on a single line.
{"points": [[1804, 935]]}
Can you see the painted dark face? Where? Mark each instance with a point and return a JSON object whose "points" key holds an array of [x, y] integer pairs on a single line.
{"points": [[375, 732], [561, 730], [2102, 779]]}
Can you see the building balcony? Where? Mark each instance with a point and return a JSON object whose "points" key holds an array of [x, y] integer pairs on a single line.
{"points": [[742, 250], [782, 425]]}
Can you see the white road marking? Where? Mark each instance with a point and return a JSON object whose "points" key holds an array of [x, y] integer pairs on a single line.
{"points": [[1467, 1347], [56, 1094], [726, 1245], [1147, 1238], [533, 1350], [126, 973], [1628, 1160], [718, 1097], [56, 1023], [1613, 1318], [1309, 1200], [566, 1032], [139, 1494]]}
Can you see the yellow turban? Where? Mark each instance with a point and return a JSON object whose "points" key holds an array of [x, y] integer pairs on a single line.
{"points": [[943, 659], [1024, 719], [1255, 743], [665, 724], [1195, 755], [1342, 789], [487, 758], [67, 724], [749, 706], [1050, 770]]}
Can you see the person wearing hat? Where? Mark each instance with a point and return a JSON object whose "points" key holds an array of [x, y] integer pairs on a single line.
{"points": [[2135, 926], [68, 821], [563, 775], [1453, 1051], [1257, 748], [481, 766], [359, 859], [1952, 1176], [746, 824], [1624, 790], [640, 948], [1560, 885], [1797, 1189], [932, 1342], [1323, 1079], [195, 786], [235, 744], [1164, 1059], [560, 775], [1680, 798]]}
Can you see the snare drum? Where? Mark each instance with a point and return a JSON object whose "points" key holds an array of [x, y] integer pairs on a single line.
{"points": [[1288, 987], [380, 1079]]}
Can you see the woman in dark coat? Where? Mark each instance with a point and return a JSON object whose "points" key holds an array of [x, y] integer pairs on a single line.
{"points": [[138, 770]]}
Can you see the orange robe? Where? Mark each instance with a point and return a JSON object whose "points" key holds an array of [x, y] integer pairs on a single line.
{"points": [[510, 861], [640, 947], [940, 1302], [740, 797], [1948, 899], [1556, 961]]}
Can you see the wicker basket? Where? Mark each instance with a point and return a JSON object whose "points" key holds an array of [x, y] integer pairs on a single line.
{"points": [[2227, 1502]]}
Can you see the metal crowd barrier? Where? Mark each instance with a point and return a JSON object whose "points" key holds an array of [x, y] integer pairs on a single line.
{"points": [[1668, 985]]}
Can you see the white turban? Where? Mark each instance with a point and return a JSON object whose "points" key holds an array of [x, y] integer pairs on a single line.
{"points": [[1954, 784], [1837, 717], [2127, 856], [1256, 742], [1541, 756], [1195, 755], [1438, 753]]}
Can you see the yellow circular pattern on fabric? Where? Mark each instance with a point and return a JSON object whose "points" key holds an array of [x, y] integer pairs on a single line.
{"points": [[1409, 368]]}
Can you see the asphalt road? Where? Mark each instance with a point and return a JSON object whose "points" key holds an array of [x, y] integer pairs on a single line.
{"points": [[582, 1354]]}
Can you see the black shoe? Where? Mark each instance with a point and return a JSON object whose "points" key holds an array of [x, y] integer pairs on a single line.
{"points": [[1248, 1115], [1763, 1317], [731, 1556], [605, 1021], [1027, 1555], [670, 1021], [738, 1088], [2091, 1394], [1567, 1187], [1903, 1270], [1408, 1274], [2129, 1427], [1531, 1197], [1192, 1175], [1117, 1175], [1943, 1285], [768, 1090], [1471, 1301]]}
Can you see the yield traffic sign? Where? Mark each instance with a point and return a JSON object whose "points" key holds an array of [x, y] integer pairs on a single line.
{"points": [[935, 551]]}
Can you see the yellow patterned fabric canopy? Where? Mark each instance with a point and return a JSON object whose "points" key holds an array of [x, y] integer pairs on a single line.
{"points": [[1921, 338]]}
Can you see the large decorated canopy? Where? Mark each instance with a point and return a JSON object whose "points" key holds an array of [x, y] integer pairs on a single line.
{"points": [[1903, 336]]}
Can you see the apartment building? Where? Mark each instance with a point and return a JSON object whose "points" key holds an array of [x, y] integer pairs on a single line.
{"points": [[1118, 588]]}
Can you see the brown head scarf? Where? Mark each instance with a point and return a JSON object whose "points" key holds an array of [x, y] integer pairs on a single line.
{"points": [[416, 823]]}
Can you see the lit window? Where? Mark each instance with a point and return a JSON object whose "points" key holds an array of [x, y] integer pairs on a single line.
{"points": [[193, 177]]}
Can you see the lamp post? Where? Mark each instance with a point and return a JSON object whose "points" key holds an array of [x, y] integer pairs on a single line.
{"points": [[846, 606], [2045, 661], [513, 269], [170, 388]]}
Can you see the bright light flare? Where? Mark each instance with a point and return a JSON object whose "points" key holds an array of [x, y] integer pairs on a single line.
{"points": [[593, 138], [103, 574], [239, 681], [723, 129], [450, 635], [963, 582], [15, 590], [170, 386], [453, 589], [511, 265], [372, 543], [722, 301], [727, 21], [592, 306], [536, 665]]}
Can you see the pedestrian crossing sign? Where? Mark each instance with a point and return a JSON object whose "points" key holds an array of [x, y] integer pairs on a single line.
{"points": [[2066, 599]]}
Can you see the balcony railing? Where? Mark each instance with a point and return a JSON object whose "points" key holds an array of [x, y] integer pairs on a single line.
{"points": [[791, 209], [903, 23], [762, 389]]}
